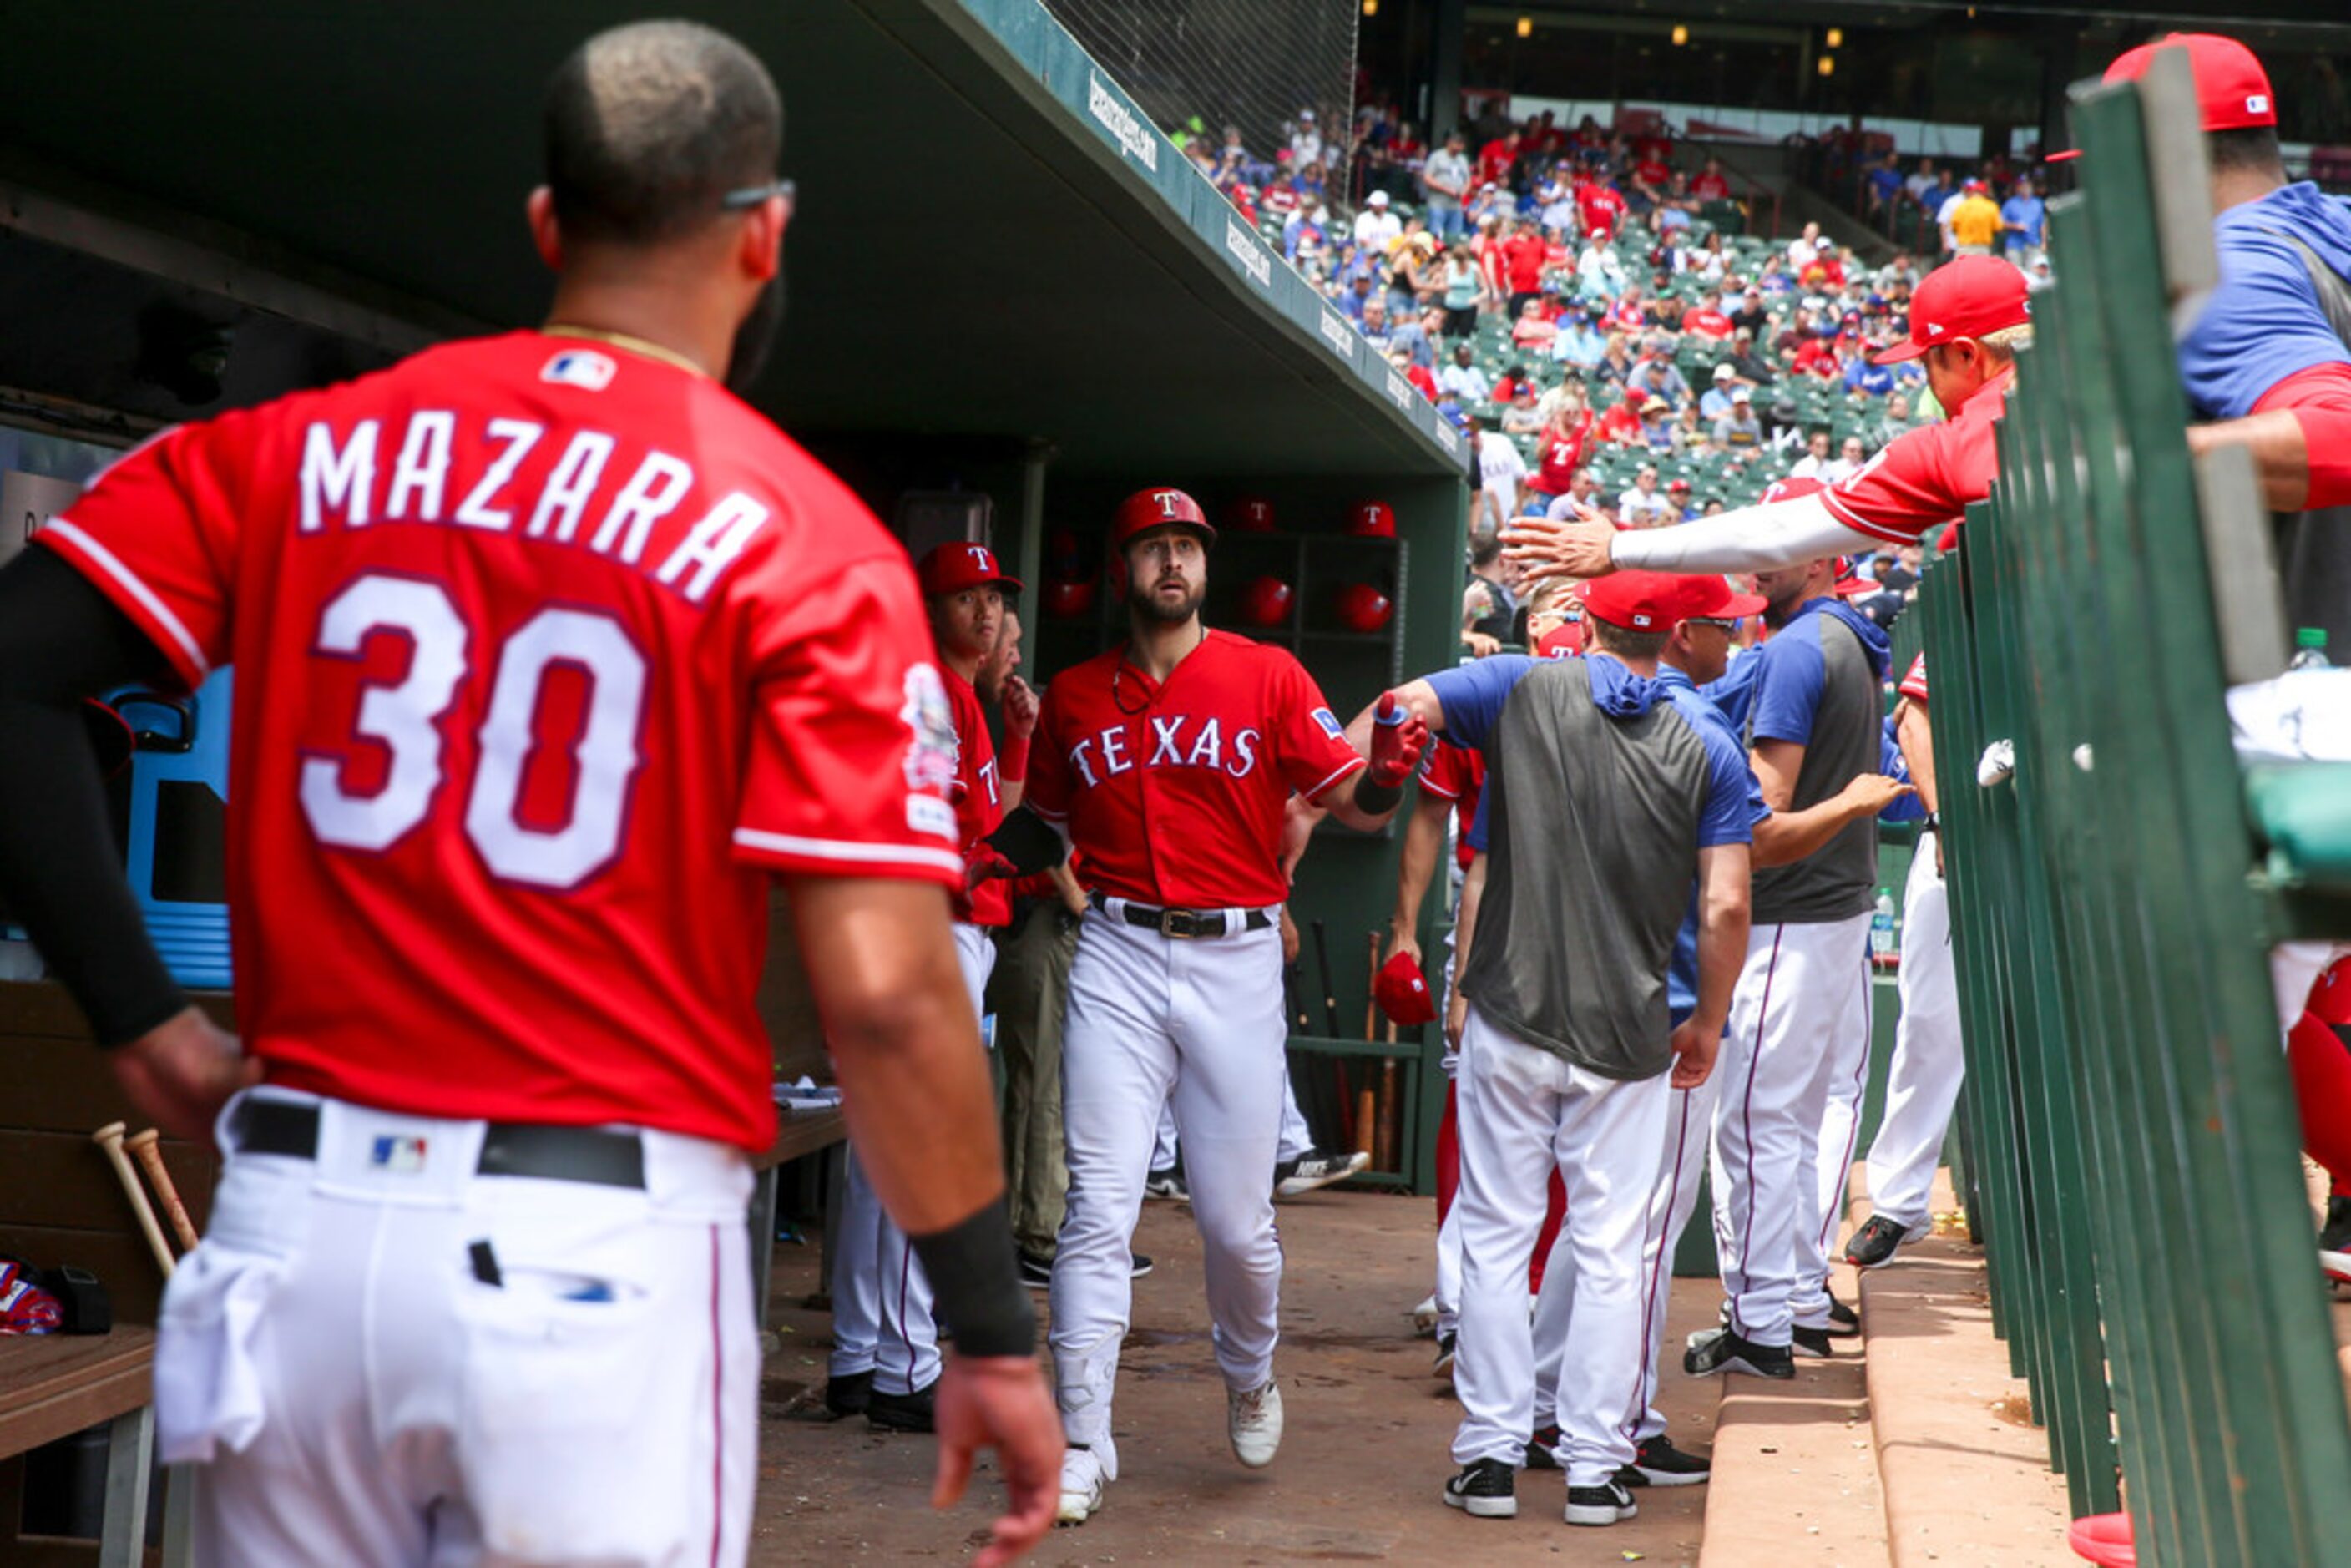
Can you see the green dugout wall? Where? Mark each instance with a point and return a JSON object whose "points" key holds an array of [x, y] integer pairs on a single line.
{"points": [[1001, 280]]}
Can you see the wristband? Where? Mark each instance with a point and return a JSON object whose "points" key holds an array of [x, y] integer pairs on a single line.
{"points": [[1375, 799], [1013, 763], [976, 1277]]}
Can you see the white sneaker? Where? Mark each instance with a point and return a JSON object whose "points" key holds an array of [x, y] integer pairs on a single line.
{"points": [[1424, 1316], [1083, 1486], [1254, 1419]]}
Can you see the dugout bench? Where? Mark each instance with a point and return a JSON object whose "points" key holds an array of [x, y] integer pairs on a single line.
{"points": [[60, 1203]]}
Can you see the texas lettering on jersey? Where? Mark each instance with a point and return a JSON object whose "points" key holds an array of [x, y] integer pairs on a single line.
{"points": [[547, 656], [1175, 793]]}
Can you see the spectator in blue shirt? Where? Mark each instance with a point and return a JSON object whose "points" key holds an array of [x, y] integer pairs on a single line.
{"points": [[1861, 374], [2023, 220], [1885, 183]]}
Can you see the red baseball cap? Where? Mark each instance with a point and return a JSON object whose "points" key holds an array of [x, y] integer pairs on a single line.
{"points": [[1657, 600], [1969, 298], [958, 564], [2232, 91], [1403, 992], [1850, 583]]}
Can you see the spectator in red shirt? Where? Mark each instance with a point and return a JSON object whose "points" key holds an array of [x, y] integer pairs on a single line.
{"points": [[1533, 329], [1708, 321], [1602, 207], [1418, 374], [1560, 446], [1622, 423], [1627, 315], [1514, 380], [1651, 174], [1522, 266], [1817, 357], [1494, 159], [1711, 185]]}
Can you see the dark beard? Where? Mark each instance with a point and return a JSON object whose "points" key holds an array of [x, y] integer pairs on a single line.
{"points": [[755, 337], [1150, 606]]}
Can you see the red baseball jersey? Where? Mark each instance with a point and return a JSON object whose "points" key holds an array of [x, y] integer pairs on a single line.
{"points": [[548, 655], [1456, 773], [1914, 679], [1175, 793], [979, 796], [1926, 478]]}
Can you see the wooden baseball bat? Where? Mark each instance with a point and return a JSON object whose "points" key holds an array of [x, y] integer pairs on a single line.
{"points": [[110, 1138], [147, 1147], [1371, 998], [1391, 1110], [1367, 1120]]}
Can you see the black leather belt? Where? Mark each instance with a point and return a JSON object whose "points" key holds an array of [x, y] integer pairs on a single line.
{"points": [[1184, 923], [509, 1148]]}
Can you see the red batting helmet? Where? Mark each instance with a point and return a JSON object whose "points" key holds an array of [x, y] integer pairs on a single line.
{"points": [[1250, 515], [1069, 598], [1403, 992], [1371, 521], [1266, 600], [1157, 508], [1363, 608]]}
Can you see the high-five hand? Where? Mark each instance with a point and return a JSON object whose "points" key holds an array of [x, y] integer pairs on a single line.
{"points": [[1547, 549]]}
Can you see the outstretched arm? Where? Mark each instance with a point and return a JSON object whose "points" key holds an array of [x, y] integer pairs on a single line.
{"points": [[1752, 538]]}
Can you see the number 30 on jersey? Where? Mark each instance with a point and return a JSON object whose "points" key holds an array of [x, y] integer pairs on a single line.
{"points": [[404, 719]]}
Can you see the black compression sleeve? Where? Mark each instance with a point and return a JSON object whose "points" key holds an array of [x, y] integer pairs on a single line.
{"points": [[974, 1273], [61, 640]]}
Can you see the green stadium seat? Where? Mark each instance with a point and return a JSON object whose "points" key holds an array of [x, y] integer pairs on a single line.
{"points": [[2302, 811]]}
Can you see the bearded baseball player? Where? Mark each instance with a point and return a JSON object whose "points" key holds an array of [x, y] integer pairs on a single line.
{"points": [[551, 656], [885, 1339], [1168, 762]]}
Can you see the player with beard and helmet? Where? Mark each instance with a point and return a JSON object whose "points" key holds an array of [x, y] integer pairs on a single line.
{"points": [[1168, 762]]}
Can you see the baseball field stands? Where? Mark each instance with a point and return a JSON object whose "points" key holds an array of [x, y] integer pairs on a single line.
{"points": [[2130, 1129]]}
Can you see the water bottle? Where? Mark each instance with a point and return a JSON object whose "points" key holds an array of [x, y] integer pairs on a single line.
{"points": [[1881, 929], [2310, 650]]}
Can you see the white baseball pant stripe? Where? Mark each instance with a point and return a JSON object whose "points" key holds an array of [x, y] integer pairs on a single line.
{"points": [[884, 1318], [1296, 1139], [1523, 1110], [1153, 1020], [1922, 1081], [1833, 1139], [1792, 999], [1448, 1290], [350, 1388]]}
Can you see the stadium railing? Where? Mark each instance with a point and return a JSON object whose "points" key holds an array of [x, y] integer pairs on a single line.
{"points": [[2131, 1143]]}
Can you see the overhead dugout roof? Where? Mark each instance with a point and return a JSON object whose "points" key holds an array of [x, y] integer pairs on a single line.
{"points": [[990, 239]]}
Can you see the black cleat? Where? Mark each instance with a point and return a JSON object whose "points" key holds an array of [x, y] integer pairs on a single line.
{"points": [[902, 1412], [846, 1396], [1610, 1502], [1036, 1272], [1137, 1265], [1488, 1489], [1722, 1350], [2335, 1236], [1811, 1343], [1657, 1463], [1874, 1245], [1542, 1448], [1844, 1321]]}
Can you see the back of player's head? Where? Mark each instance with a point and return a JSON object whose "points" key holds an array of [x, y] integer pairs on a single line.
{"points": [[648, 126]]}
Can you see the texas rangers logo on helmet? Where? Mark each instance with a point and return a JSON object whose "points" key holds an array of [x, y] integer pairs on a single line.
{"points": [[931, 750], [1169, 502]]}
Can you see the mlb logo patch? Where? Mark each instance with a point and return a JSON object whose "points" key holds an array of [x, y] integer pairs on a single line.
{"points": [[582, 368], [400, 1156], [1330, 723]]}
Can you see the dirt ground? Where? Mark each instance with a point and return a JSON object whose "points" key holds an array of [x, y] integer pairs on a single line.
{"points": [[1363, 1455]]}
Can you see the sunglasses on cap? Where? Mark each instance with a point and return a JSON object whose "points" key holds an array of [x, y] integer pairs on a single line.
{"points": [[753, 195]]}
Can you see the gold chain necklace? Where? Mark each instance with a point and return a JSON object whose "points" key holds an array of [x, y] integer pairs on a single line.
{"points": [[623, 340]]}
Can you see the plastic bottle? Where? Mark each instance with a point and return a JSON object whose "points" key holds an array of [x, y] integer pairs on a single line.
{"points": [[2310, 650], [1881, 928]]}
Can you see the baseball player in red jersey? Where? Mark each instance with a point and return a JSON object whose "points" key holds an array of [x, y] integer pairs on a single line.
{"points": [[885, 1338], [1169, 762], [551, 654]]}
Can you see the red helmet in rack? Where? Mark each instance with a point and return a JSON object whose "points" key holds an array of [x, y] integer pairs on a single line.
{"points": [[1250, 515], [1067, 599], [1363, 608], [1266, 600], [1157, 508], [1371, 521]]}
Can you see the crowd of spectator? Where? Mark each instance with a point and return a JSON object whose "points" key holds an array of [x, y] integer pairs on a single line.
{"points": [[1937, 207]]}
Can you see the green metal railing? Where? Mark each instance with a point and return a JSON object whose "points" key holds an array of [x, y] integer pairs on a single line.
{"points": [[2129, 1129]]}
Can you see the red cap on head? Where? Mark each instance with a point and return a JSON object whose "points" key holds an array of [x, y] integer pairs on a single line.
{"points": [[2232, 91], [1159, 508], [1850, 583], [1657, 600], [1971, 298], [958, 564], [1403, 992]]}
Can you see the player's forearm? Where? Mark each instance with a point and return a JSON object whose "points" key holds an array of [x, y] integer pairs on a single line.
{"points": [[1752, 538], [1915, 737], [1785, 837], [1722, 926], [1424, 838], [1465, 919], [2280, 451]]}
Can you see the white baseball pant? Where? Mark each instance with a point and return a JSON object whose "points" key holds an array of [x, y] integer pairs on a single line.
{"points": [[1447, 1291], [1523, 1110], [351, 1389], [883, 1311], [1689, 1124], [1922, 1081], [1794, 996], [1294, 1142], [1833, 1139], [1155, 1020]]}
